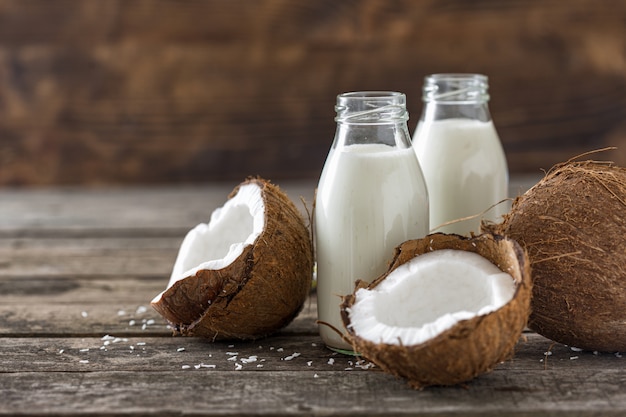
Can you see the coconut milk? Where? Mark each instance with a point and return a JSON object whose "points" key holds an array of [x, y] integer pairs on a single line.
{"points": [[371, 198], [465, 170]]}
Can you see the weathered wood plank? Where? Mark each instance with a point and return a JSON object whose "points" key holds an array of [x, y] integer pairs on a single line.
{"points": [[280, 393], [92, 304], [281, 352], [116, 353], [161, 380], [126, 211], [26, 318], [90, 286], [53, 258], [102, 264], [78, 336], [153, 257], [331, 393]]}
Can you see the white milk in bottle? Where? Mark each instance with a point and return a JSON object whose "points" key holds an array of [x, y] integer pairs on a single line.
{"points": [[460, 153], [371, 197]]}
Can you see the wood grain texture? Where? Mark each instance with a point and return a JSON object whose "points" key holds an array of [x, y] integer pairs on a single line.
{"points": [[71, 376], [77, 335], [163, 91], [126, 211]]}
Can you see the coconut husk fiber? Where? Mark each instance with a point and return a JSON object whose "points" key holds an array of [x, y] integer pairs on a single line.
{"points": [[573, 225]]}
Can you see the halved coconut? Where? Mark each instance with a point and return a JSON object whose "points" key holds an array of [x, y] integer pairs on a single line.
{"points": [[448, 309], [246, 273]]}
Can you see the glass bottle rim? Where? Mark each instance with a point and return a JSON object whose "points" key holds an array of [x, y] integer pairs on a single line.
{"points": [[371, 107], [456, 88]]}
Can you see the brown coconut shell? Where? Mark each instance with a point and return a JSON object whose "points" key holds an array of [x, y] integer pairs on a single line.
{"points": [[573, 225], [260, 292], [470, 348]]}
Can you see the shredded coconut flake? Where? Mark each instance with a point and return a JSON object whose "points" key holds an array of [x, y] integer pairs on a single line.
{"points": [[292, 356], [203, 365]]}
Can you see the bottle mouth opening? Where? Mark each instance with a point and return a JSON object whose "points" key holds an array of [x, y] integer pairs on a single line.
{"points": [[368, 107], [456, 88]]}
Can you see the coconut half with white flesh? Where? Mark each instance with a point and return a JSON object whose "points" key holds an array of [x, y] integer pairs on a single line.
{"points": [[448, 309], [246, 273]]}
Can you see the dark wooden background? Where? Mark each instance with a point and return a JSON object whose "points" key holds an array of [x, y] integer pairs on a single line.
{"points": [[170, 91]]}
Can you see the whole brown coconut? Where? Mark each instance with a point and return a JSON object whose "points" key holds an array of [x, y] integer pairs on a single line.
{"points": [[472, 346], [573, 225], [252, 290]]}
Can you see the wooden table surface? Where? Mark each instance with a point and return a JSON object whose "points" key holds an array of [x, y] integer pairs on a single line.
{"points": [[79, 267]]}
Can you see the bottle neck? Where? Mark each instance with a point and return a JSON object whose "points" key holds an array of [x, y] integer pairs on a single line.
{"points": [[372, 118], [438, 111], [450, 96], [390, 134]]}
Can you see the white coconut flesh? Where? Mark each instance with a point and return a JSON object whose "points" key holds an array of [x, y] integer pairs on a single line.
{"points": [[428, 295], [215, 245]]}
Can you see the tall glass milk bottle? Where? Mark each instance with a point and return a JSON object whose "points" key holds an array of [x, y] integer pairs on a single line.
{"points": [[460, 154], [371, 197]]}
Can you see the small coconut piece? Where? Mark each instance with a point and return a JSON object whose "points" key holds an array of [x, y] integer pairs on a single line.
{"points": [[573, 225], [246, 273], [448, 309]]}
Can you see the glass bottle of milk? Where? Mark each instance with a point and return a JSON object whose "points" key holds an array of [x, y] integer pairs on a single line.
{"points": [[460, 154], [371, 197]]}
